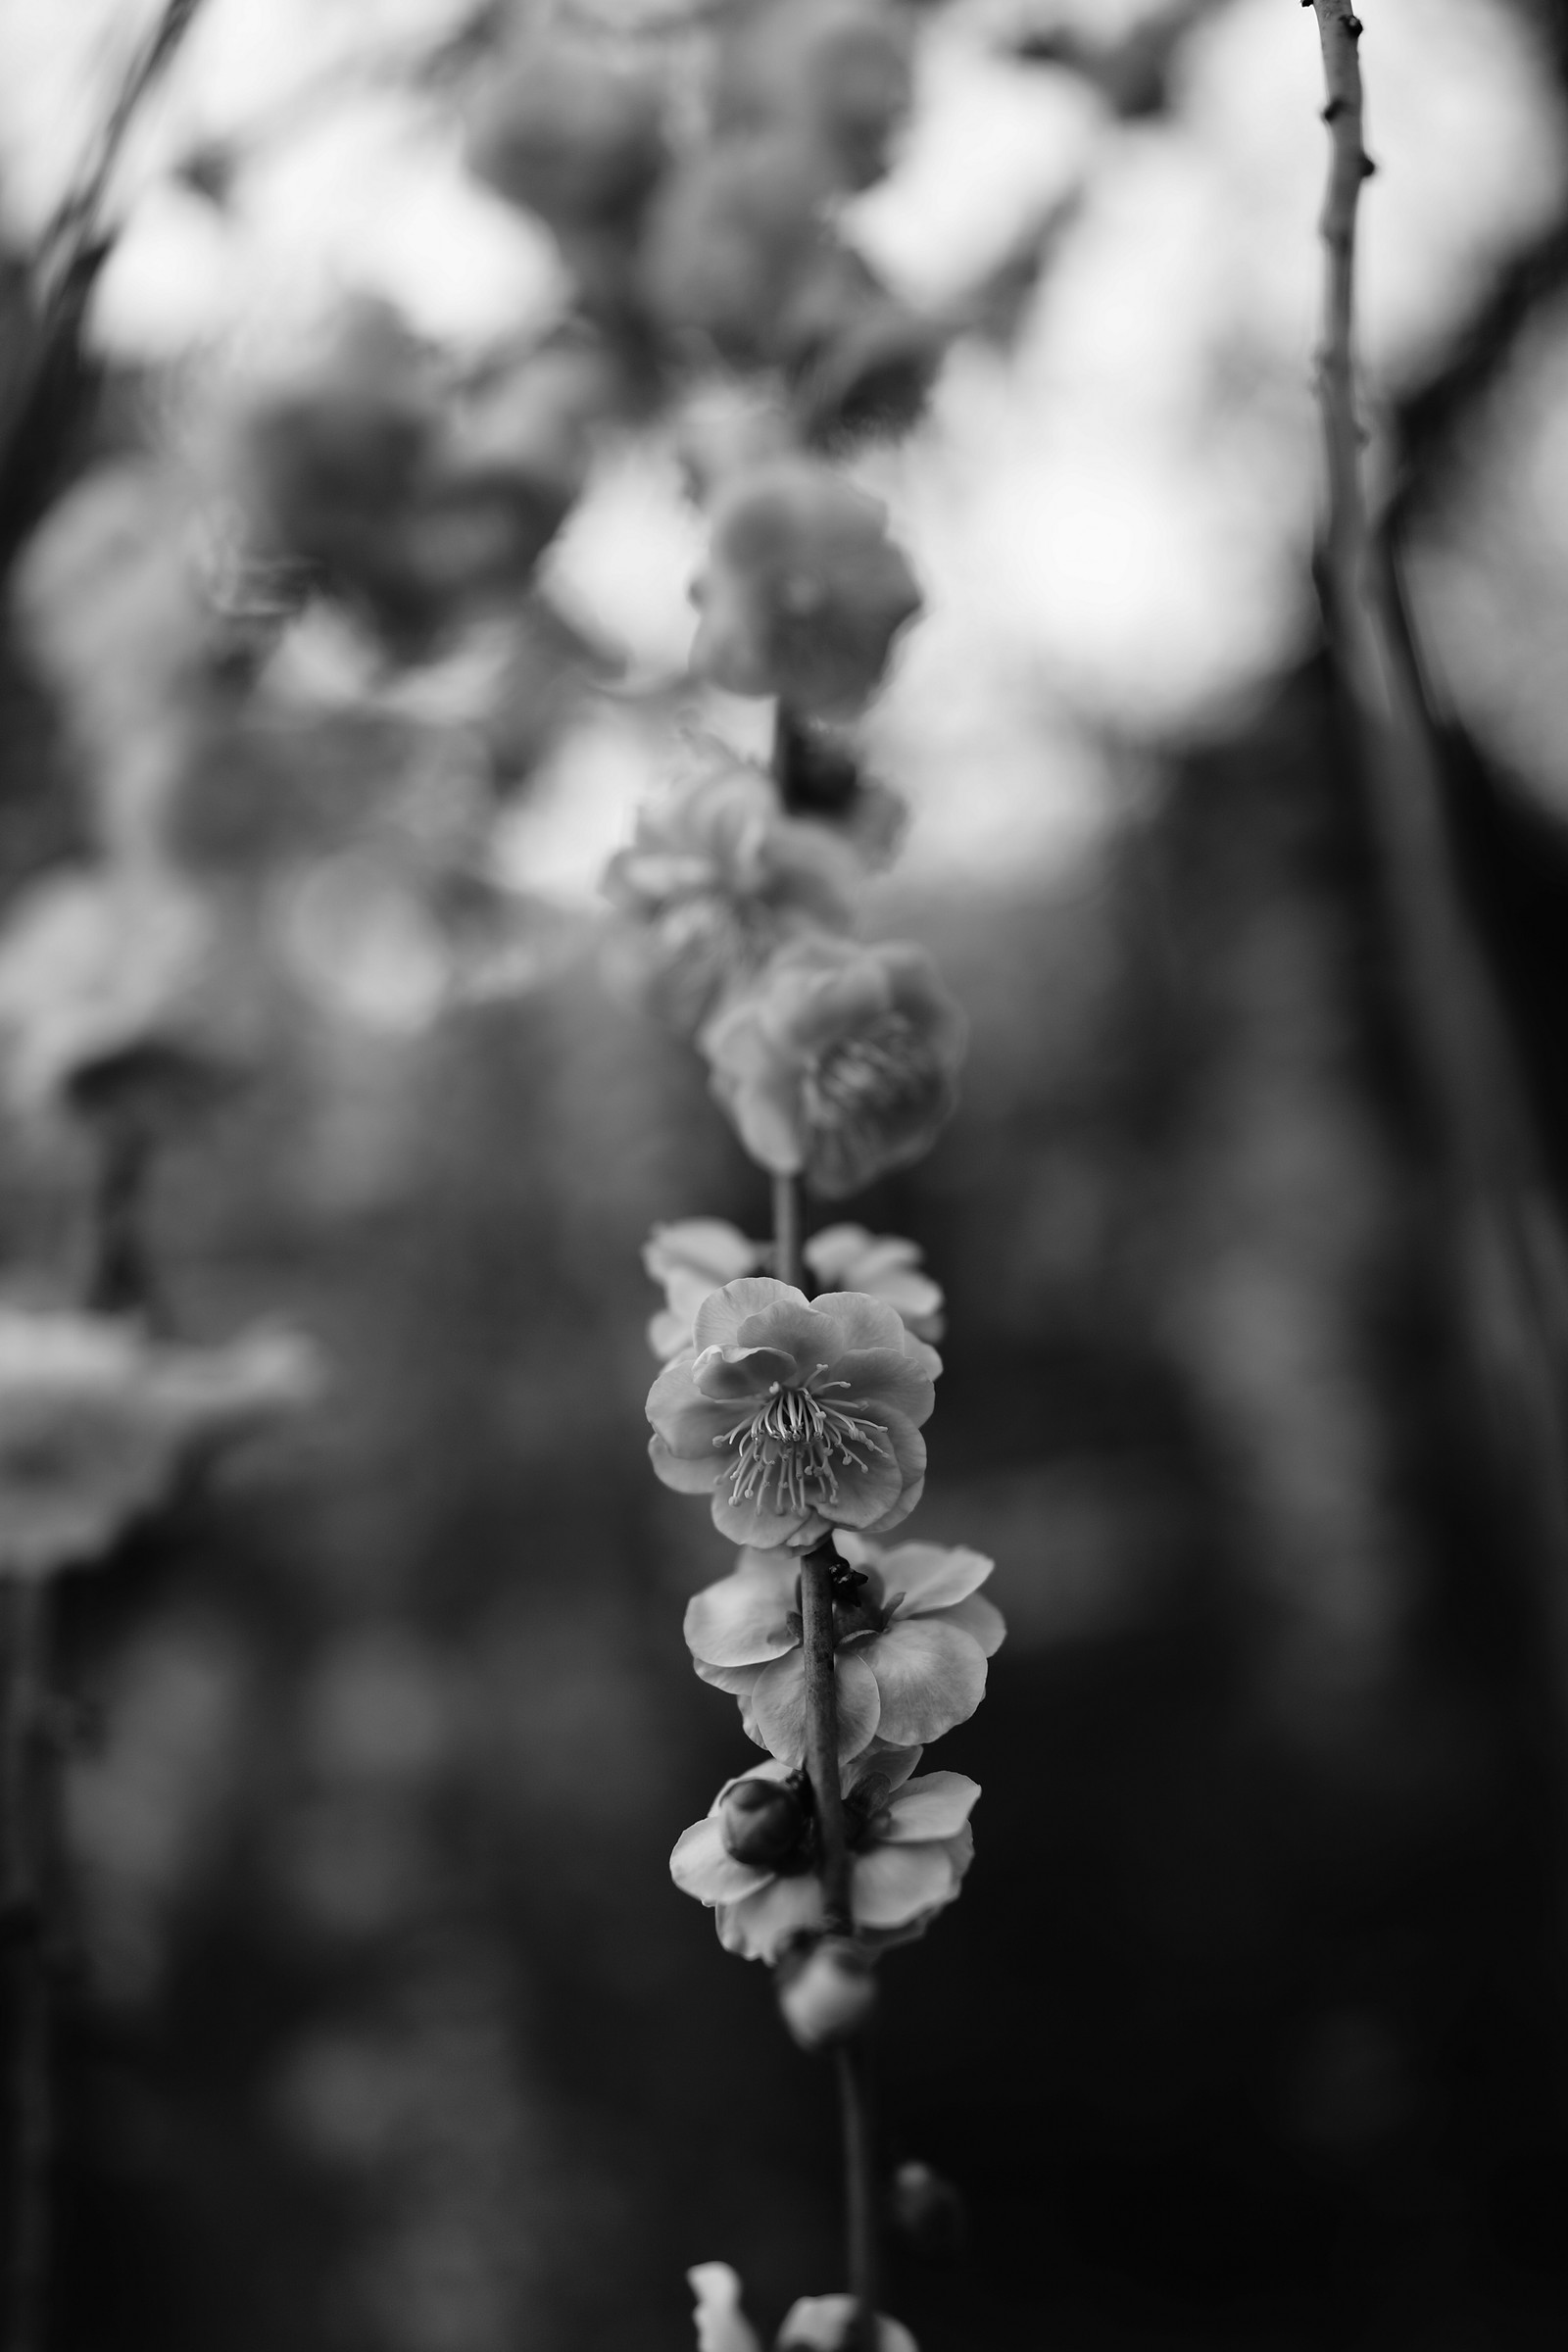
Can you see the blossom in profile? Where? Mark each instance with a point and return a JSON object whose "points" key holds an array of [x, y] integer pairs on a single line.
{"points": [[913, 1630], [693, 1257], [97, 1422], [792, 1418], [802, 592], [910, 1842], [841, 1064], [721, 2325], [717, 879], [697, 1255]]}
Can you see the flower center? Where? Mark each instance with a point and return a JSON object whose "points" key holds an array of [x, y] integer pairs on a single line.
{"points": [[868, 1074], [792, 1444]]}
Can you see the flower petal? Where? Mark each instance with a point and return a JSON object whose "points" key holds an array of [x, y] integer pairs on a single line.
{"points": [[703, 1865], [821, 2323], [871, 1487], [980, 1618], [933, 1576], [721, 2325], [754, 1521], [890, 1765], [931, 1676], [877, 1375], [892, 1884], [761, 1925], [723, 1313], [730, 1375], [793, 1325], [743, 1620], [859, 1320], [686, 1476], [736, 1680], [709, 1246], [778, 1705], [937, 1806], [686, 1420]]}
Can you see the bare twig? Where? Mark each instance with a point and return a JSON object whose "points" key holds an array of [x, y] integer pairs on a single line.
{"points": [[25, 1791], [1509, 1249]]}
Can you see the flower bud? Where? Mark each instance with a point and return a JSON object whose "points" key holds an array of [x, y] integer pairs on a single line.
{"points": [[827, 1996], [761, 1822], [927, 2211]]}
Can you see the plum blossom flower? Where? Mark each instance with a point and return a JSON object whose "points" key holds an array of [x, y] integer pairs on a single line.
{"points": [[697, 1255], [96, 1422], [914, 1633], [795, 1419], [910, 1842], [718, 878], [841, 1064], [804, 592]]}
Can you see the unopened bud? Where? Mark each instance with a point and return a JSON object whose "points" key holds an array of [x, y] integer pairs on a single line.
{"points": [[827, 1996], [761, 1822], [929, 2213]]}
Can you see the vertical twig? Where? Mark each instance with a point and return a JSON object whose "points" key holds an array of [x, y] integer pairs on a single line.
{"points": [[1508, 1244], [787, 1229], [823, 1770], [23, 1829]]}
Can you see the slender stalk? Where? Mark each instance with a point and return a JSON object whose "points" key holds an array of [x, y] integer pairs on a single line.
{"points": [[118, 1278], [787, 1229], [822, 1768], [24, 1831], [1508, 1244], [822, 1732]]}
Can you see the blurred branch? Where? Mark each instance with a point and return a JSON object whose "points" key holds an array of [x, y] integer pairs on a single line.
{"points": [[1508, 1250], [24, 1786], [40, 399]]}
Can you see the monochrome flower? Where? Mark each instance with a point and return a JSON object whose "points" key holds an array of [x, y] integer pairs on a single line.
{"points": [[912, 1630], [795, 1419], [841, 1062], [717, 879], [802, 592], [910, 1842], [96, 1421]]}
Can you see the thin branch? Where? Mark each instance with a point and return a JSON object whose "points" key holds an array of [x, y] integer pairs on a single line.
{"points": [[24, 1793], [1508, 1244]]}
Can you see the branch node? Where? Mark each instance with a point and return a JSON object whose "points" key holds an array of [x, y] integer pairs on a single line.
{"points": [[1368, 166], [1352, 26], [1335, 106]]}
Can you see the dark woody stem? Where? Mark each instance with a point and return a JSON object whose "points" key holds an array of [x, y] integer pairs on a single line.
{"points": [[822, 1768], [25, 1793], [116, 1280], [787, 1229]]}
